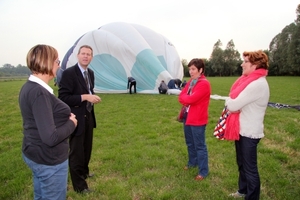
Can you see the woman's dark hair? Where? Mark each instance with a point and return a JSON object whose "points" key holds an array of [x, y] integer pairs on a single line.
{"points": [[198, 63]]}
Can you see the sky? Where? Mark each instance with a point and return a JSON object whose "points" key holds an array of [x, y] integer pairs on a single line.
{"points": [[193, 26]]}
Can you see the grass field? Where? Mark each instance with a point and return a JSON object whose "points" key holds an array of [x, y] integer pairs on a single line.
{"points": [[139, 150]]}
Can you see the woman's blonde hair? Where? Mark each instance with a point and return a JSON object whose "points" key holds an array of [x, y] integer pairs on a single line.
{"points": [[40, 59]]}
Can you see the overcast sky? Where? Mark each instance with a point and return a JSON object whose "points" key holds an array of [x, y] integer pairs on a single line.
{"points": [[193, 26]]}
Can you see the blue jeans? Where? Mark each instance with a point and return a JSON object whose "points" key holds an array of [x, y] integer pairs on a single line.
{"points": [[196, 146], [246, 157], [50, 182]]}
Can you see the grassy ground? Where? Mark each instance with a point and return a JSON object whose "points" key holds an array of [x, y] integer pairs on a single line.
{"points": [[139, 150]]}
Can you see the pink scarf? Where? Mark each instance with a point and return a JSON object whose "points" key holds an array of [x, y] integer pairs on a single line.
{"points": [[233, 121]]}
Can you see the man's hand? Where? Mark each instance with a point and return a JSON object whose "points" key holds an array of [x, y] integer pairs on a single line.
{"points": [[91, 98]]}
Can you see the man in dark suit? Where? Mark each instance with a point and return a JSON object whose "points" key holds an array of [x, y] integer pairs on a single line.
{"points": [[76, 90]]}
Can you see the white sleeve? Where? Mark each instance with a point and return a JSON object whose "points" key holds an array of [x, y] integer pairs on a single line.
{"points": [[250, 94]]}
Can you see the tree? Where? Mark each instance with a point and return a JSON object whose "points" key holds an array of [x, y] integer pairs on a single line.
{"points": [[231, 59], [8, 66], [185, 67], [22, 70], [279, 50], [216, 59], [10, 70], [273, 66], [285, 50], [297, 21], [208, 71], [293, 59]]}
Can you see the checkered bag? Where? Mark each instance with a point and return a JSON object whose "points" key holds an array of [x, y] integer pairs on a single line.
{"points": [[219, 130]]}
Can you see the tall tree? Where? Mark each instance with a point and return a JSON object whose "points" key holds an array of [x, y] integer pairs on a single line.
{"points": [[285, 49], [294, 47], [231, 59], [297, 21], [274, 67], [217, 59], [279, 49]]}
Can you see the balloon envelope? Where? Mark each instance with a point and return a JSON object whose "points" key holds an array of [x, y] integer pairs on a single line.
{"points": [[122, 50]]}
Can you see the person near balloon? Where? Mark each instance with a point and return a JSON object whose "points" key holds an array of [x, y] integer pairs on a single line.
{"points": [[131, 83], [76, 89], [47, 124], [247, 104], [163, 88], [183, 84], [195, 96], [175, 84]]}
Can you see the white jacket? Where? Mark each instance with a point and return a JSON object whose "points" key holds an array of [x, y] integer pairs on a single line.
{"points": [[252, 103]]}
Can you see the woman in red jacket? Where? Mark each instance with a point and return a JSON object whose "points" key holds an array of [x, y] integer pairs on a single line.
{"points": [[195, 96]]}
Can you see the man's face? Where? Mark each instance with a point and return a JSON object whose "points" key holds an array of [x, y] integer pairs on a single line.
{"points": [[84, 57]]}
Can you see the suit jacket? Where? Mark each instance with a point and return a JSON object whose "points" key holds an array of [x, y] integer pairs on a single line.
{"points": [[72, 86]]}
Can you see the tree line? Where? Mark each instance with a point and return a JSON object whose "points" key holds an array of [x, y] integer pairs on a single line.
{"points": [[283, 53], [9, 70]]}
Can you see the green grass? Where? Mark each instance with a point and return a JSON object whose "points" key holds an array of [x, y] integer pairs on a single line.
{"points": [[139, 150], [13, 78]]}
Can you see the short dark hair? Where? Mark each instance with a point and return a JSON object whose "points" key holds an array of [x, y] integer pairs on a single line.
{"points": [[85, 46], [198, 63]]}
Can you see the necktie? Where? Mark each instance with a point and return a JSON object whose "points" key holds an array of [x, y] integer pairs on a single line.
{"points": [[88, 104]]}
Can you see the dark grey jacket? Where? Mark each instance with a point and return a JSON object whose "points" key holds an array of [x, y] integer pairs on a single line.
{"points": [[46, 125]]}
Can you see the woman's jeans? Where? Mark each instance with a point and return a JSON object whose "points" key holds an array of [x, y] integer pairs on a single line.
{"points": [[196, 146], [246, 156], [50, 181]]}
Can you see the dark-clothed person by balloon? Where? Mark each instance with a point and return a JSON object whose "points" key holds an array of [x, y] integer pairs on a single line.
{"points": [[47, 124]]}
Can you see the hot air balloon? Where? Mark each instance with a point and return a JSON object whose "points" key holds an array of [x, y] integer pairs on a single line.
{"points": [[122, 50]]}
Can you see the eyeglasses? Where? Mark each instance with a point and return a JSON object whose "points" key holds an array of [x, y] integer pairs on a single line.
{"points": [[57, 61]]}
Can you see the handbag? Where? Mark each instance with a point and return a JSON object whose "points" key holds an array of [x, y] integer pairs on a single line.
{"points": [[183, 109], [181, 114], [220, 128]]}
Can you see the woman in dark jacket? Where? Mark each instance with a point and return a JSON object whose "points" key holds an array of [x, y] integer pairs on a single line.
{"points": [[47, 125]]}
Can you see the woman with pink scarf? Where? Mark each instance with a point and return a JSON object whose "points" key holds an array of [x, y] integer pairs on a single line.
{"points": [[247, 103]]}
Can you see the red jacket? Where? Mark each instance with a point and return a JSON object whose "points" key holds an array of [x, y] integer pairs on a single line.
{"points": [[197, 100]]}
